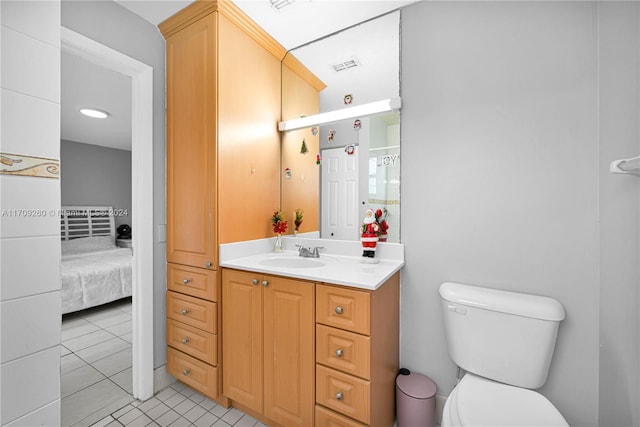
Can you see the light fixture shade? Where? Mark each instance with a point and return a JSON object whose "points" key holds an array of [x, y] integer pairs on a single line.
{"points": [[363, 110], [96, 114]]}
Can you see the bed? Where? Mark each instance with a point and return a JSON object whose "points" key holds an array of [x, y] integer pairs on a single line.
{"points": [[94, 270]]}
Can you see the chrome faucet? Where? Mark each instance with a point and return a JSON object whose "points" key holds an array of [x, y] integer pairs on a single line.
{"points": [[309, 252]]}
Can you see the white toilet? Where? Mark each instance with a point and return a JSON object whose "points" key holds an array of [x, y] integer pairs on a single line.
{"points": [[504, 341]]}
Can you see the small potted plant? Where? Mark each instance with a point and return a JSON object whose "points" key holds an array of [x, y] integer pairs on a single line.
{"points": [[297, 221], [279, 227]]}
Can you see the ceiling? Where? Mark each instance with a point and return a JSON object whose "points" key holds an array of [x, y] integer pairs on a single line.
{"points": [[87, 85]]}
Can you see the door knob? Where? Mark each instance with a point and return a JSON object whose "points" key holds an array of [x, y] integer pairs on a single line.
{"points": [[339, 310], [339, 352], [185, 311]]}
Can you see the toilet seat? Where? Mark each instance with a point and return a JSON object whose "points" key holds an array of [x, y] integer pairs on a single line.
{"points": [[477, 401]]}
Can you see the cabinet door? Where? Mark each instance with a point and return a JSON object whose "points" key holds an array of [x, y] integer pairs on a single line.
{"points": [[191, 144], [289, 351], [242, 337]]}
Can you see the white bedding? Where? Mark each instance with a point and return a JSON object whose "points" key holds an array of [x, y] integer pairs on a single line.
{"points": [[100, 274]]}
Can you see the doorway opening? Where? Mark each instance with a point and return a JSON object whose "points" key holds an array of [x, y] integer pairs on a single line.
{"points": [[141, 216]]}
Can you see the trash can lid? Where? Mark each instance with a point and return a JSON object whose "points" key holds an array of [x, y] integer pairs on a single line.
{"points": [[417, 386]]}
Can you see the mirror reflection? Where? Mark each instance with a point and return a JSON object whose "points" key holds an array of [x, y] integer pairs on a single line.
{"points": [[353, 165]]}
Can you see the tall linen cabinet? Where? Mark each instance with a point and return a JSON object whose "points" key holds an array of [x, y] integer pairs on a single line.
{"points": [[223, 162]]}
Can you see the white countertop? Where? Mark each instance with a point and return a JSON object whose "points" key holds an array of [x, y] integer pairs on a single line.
{"points": [[340, 261]]}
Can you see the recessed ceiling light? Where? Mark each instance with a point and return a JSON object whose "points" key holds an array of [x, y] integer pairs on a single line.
{"points": [[96, 114]]}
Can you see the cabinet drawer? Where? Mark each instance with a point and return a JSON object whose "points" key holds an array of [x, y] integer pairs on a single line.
{"points": [[343, 308], [192, 281], [343, 393], [342, 350], [327, 418], [193, 341], [193, 372], [192, 311]]}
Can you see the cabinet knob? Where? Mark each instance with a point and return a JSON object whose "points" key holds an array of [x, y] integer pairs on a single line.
{"points": [[339, 395], [265, 283], [186, 372], [185, 311], [208, 264], [339, 310], [185, 340], [186, 281], [255, 281], [339, 352]]}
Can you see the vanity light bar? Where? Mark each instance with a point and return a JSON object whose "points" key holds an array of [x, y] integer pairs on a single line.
{"points": [[363, 110]]}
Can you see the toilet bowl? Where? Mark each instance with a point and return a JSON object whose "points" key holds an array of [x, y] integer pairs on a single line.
{"points": [[477, 401], [504, 341]]}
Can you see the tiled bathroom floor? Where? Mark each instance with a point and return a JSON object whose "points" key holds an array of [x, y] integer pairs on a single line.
{"points": [[96, 379]]}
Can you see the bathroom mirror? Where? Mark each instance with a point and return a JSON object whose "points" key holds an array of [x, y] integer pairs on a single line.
{"points": [[337, 171]]}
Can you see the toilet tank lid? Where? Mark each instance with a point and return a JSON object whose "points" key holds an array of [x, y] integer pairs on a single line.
{"points": [[519, 304]]}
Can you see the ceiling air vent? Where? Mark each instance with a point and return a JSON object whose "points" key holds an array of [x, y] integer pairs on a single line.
{"points": [[279, 4], [341, 66]]}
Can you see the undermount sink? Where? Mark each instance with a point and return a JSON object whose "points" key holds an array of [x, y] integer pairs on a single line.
{"points": [[292, 262]]}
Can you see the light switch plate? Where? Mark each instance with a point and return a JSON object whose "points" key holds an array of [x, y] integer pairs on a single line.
{"points": [[161, 233]]}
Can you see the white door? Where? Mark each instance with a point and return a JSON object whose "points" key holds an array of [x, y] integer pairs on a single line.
{"points": [[339, 190]]}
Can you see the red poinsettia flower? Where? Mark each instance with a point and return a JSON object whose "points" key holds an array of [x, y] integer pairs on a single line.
{"points": [[278, 222]]}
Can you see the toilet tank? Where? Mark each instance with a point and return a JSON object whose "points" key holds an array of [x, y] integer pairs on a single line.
{"points": [[504, 336]]}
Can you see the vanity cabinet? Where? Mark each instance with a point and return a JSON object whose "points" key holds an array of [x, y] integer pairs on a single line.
{"points": [[268, 341], [357, 354]]}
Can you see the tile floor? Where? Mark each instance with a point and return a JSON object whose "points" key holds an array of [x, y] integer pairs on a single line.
{"points": [[95, 364], [96, 379]]}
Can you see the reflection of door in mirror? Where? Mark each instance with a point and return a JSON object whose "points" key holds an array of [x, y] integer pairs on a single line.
{"points": [[340, 218], [360, 171]]}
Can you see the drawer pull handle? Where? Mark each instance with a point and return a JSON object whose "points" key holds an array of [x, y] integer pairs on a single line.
{"points": [[185, 311], [255, 281], [339, 352], [186, 281], [339, 310], [339, 395], [265, 283], [185, 340], [208, 264], [186, 372]]}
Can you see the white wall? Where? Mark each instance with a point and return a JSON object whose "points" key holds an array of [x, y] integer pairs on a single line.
{"points": [[30, 246], [509, 120], [91, 175]]}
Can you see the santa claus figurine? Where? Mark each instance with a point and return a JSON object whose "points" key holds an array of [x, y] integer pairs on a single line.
{"points": [[369, 237]]}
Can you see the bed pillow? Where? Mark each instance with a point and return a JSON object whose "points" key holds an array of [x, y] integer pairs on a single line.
{"points": [[87, 244]]}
